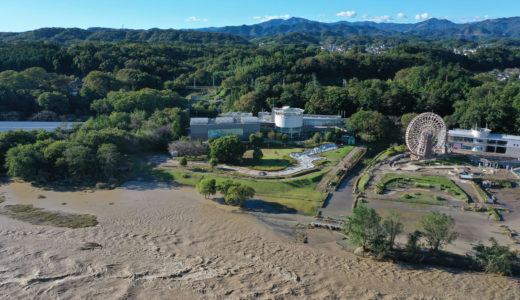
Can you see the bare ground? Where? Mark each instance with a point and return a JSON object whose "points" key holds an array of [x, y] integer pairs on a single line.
{"points": [[161, 242]]}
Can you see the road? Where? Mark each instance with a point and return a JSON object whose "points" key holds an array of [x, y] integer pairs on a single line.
{"points": [[339, 203]]}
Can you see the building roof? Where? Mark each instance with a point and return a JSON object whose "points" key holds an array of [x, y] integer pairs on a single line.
{"points": [[477, 133]]}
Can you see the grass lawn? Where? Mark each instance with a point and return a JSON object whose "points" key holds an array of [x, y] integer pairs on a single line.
{"points": [[450, 160], [38, 216], [441, 183], [274, 159], [423, 198], [363, 182], [336, 155], [298, 194]]}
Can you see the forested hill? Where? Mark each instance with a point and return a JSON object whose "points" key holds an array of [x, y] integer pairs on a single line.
{"points": [[487, 29], [67, 35]]}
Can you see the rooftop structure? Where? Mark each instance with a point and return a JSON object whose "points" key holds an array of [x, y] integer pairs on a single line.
{"points": [[482, 140], [285, 120]]}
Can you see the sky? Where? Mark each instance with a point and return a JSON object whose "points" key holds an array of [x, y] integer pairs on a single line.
{"points": [[23, 15]]}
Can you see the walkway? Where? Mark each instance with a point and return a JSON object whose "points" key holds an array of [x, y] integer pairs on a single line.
{"points": [[339, 203]]}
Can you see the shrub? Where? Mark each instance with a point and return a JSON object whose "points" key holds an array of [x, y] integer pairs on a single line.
{"points": [[413, 247], [207, 187], [213, 162], [183, 162], [495, 258], [238, 194]]}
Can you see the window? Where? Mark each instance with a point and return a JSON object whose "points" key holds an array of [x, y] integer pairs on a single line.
{"points": [[492, 142], [501, 150], [502, 143], [490, 149]]}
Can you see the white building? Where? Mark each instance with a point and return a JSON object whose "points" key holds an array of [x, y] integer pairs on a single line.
{"points": [[482, 140]]}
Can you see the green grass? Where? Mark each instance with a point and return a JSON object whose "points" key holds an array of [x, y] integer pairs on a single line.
{"points": [[423, 198], [274, 159], [450, 160], [298, 194], [363, 182], [392, 180], [335, 156], [481, 193], [38, 216]]}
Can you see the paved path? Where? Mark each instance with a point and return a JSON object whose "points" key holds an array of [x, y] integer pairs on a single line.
{"points": [[339, 203], [343, 164]]}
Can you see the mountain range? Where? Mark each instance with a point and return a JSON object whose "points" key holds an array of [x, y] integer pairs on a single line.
{"points": [[303, 29], [441, 28]]}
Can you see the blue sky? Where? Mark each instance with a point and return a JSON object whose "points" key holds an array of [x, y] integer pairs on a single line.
{"points": [[21, 15]]}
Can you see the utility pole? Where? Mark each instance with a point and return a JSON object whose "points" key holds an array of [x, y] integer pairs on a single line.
{"points": [[193, 82]]}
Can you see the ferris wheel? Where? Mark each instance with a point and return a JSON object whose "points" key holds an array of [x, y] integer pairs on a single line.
{"points": [[426, 134]]}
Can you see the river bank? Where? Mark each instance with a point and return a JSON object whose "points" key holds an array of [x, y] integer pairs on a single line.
{"points": [[162, 241]]}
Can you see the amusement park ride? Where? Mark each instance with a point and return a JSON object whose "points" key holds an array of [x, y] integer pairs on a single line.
{"points": [[426, 136]]}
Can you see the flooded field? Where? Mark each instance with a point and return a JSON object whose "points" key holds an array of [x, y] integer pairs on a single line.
{"points": [[163, 242]]}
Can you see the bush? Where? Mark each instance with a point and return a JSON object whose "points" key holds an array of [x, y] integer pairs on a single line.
{"points": [[183, 162], [413, 247], [495, 258], [207, 187], [257, 154]]}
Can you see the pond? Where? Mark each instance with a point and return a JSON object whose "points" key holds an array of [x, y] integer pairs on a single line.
{"points": [[49, 126]]}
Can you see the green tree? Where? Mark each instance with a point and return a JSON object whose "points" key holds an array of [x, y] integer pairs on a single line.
{"points": [[329, 137], [316, 138], [238, 195], [80, 161], [109, 159], [183, 162], [257, 154], [285, 138], [55, 101], [213, 162], [438, 230], [224, 186], [362, 225], [393, 226], [495, 258], [256, 140], [24, 161], [227, 149], [370, 126], [206, 187]]}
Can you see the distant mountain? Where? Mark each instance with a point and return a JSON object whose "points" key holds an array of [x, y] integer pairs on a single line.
{"points": [[293, 30], [488, 29], [67, 35]]}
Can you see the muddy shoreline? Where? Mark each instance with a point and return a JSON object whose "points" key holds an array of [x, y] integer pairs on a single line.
{"points": [[160, 241]]}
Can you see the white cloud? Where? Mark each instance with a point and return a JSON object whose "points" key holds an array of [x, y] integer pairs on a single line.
{"points": [[269, 18], [347, 14], [423, 16], [401, 16], [195, 19], [473, 19], [378, 19]]}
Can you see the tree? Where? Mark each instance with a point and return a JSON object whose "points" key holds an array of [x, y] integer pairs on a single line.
{"points": [[362, 225], [285, 138], [206, 187], [183, 162], [437, 229], [227, 149], [108, 158], [256, 140], [271, 135], [406, 119], [393, 226], [224, 186], [79, 160], [495, 258], [213, 162], [54, 101], [413, 246], [24, 161], [257, 154], [370, 125], [316, 138], [238, 195], [329, 136]]}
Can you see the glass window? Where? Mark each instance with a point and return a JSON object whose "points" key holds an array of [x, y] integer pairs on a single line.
{"points": [[502, 143]]}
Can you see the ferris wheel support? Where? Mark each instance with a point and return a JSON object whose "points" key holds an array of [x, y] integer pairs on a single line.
{"points": [[426, 135]]}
